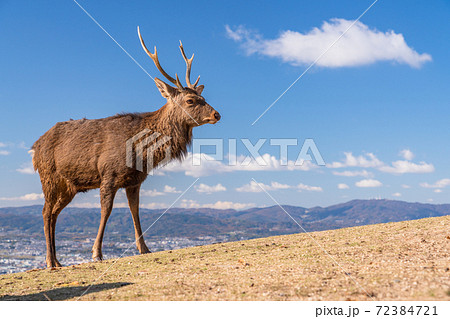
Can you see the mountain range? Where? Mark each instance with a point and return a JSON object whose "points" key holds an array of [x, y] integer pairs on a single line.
{"points": [[193, 223]]}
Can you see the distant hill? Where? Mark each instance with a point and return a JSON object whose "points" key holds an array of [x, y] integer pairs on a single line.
{"points": [[250, 223]]}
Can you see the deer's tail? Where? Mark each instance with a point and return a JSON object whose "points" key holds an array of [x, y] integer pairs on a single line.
{"points": [[33, 152]]}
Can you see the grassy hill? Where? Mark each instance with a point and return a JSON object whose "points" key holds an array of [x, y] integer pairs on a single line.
{"points": [[393, 261]]}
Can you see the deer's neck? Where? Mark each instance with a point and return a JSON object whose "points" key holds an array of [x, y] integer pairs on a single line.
{"points": [[169, 124]]}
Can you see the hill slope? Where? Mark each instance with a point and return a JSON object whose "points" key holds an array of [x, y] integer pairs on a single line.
{"points": [[393, 261]]}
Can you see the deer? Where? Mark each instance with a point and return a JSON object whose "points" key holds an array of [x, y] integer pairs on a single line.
{"points": [[80, 155]]}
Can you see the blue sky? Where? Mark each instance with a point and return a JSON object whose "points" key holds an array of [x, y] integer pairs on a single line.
{"points": [[376, 104]]}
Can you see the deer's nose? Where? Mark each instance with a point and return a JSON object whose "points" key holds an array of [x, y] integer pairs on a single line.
{"points": [[217, 116]]}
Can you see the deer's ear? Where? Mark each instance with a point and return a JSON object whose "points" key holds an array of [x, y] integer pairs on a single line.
{"points": [[166, 90], [199, 89]]}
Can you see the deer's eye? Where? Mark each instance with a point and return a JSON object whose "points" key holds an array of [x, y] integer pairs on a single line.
{"points": [[190, 101]]}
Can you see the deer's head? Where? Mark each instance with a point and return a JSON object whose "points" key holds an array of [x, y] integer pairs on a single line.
{"points": [[185, 103]]}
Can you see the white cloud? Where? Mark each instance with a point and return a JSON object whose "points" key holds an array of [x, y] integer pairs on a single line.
{"points": [[151, 193], [22, 145], [154, 205], [171, 190], [361, 45], [203, 188], [438, 190], [253, 187], [397, 194], [4, 152], [276, 185], [366, 160], [304, 187], [402, 167], [439, 184], [362, 173], [239, 34], [26, 197], [189, 203], [405, 186], [85, 205], [120, 205], [266, 162], [97, 205], [19, 145], [343, 186], [406, 154], [369, 160], [368, 183], [229, 205], [26, 168], [208, 166]]}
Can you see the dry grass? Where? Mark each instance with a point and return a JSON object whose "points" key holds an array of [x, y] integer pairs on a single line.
{"points": [[395, 261]]}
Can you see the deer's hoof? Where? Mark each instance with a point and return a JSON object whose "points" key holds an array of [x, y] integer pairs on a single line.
{"points": [[97, 258], [144, 250], [53, 264]]}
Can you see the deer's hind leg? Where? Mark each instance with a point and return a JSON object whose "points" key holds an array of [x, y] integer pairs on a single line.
{"points": [[47, 217], [133, 202], [107, 194], [57, 195], [66, 193]]}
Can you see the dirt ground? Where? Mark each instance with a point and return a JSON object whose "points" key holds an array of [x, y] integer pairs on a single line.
{"points": [[395, 261]]}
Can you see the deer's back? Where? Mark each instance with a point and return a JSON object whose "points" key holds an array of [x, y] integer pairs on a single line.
{"points": [[86, 151]]}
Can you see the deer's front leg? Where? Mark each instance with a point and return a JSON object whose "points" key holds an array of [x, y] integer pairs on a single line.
{"points": [[133, 202], [107, 194]]}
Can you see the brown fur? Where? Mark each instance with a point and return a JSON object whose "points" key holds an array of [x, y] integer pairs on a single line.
{"points": [[79, 155]]}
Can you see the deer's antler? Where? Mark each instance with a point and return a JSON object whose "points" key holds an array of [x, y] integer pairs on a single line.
{"points": [[188, 68], [154, 57]]}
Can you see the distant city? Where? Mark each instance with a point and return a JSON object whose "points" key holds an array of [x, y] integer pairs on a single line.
{"points": [[19, 252]]}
